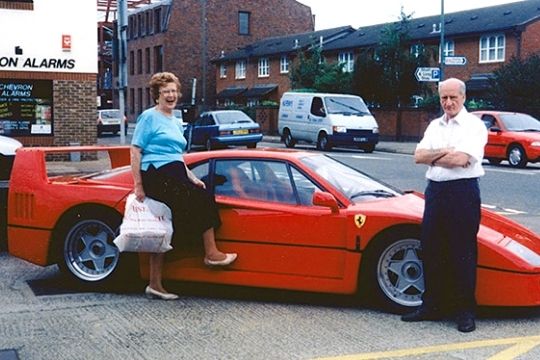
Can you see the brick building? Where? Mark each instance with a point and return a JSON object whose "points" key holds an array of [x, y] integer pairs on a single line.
{"points": [[48, 71], [486, 37], [171, 35]]}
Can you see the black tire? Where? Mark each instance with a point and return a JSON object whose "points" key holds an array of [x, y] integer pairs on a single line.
{"points": [[517, 156], [322, 142], [288, 139], [494, 161], [252, 146], [85, 248], [392, 276]]}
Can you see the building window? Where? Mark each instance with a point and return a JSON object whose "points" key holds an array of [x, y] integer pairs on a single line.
{"points": [[449, 48], [283, 64], [149, 101], [157, 21], [139, 61], [139, 100], [148, 60], [158, 58], [264, 67], [240, 69], [416, 50], [223, 71], [132, 62], [252, 102], [492, 48], [135, 27], [149, 22], [131, 100], [347, 59], [243, 22]]}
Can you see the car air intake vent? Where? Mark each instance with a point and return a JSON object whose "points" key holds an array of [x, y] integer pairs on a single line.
{"points": [[24, 205]]}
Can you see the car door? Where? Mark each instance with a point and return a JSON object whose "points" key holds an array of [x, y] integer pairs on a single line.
{"points": [[269, 220], [496, 146]]}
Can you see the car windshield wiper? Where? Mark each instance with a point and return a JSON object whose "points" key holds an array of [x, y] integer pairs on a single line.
{"points": [[376, 193], [361, 112]]}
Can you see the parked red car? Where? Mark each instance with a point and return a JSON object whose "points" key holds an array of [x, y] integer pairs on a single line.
{"points": [[512, 136], [298, 220]]}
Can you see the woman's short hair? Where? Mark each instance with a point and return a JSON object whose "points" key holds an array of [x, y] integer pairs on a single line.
{"points": [[160, 80]]}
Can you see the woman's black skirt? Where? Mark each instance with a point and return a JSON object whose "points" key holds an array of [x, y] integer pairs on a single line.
{"points": [[193, 209]]}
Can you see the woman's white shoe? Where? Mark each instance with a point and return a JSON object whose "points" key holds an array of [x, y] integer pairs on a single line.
{"points": [[151, 293], [229, 259]]}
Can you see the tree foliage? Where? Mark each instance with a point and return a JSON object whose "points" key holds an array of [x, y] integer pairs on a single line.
{"points": [[515, 85], [311, 72], [384, 74]]}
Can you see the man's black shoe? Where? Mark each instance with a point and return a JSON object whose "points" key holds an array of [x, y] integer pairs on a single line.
{"points": [[465, 323], [422, 314]]}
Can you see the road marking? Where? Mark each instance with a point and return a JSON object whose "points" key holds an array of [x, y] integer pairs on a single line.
{"points": [[520, 345], [511, 171]]}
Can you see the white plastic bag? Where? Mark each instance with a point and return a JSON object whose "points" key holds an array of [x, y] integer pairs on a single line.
{"points": [[146, 227]]}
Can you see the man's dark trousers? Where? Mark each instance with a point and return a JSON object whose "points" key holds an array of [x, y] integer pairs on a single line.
{"points": [[449, 246]]}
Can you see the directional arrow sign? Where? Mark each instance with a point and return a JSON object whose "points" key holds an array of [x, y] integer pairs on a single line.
{"points": [[455, 60], [428, 74]]}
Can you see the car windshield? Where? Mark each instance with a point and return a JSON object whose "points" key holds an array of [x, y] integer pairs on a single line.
{"points": [[520, 122], [356, 185], [232, 117], [110, 114], [346, 105]]}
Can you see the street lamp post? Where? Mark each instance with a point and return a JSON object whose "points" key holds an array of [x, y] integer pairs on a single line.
{"points": [[442, 47]]}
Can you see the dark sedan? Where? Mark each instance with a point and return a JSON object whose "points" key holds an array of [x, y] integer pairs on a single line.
{"points": [[214, 129]]}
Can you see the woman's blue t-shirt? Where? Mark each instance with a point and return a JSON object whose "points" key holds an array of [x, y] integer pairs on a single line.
{"points": [[160, 138]]}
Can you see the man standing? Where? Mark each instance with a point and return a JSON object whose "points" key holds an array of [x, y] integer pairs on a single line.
{"points": [[453, 147]]}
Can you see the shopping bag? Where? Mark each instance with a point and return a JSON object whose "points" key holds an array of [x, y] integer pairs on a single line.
{"points": [[146, 226]]}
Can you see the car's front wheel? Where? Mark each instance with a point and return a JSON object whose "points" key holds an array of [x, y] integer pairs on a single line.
{"points": [[517, 156], [288, 139], [393, 276], [86, 244], [322, 142]]}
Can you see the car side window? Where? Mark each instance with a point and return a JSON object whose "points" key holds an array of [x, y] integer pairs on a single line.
{"points": [[304, 187], [199, 121], [255, 179], [489, 121], [210, 120], [201, 171], [317, 107]]}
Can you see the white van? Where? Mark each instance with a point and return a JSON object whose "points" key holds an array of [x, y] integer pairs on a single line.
{"points": [[327, 120]]}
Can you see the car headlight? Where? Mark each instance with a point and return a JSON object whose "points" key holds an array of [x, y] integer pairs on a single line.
{"points": [[339, 129], [376, 130], [535, 143], [523, 253]]}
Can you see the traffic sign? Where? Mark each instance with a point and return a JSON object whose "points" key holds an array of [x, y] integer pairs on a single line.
{"points": [[455, 60], [428, 74]]}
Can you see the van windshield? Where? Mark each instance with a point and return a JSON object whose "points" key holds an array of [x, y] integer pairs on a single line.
{"points": [[346, 105]]}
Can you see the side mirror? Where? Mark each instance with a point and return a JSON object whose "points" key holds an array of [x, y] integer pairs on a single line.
{"points": [[495, 129], [325, 199]]}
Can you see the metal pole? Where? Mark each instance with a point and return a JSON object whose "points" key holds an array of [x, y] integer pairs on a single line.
{"points": [[122, 64], [442, 47]]}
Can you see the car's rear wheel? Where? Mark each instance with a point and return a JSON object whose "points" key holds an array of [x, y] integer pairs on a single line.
{"points": [[288, 139], [517, 156], [369, 148], [252, 145], [393, 276], [85, 242]]}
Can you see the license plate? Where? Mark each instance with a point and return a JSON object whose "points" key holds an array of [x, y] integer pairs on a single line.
{"points": [[360, 139], [240, 132]]}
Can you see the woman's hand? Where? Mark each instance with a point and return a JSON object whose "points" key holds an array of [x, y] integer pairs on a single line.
{"points": [[198, 182], [139, 193]]}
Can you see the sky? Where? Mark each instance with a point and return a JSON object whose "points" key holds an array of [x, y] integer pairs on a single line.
{"points": [[357, 13]]}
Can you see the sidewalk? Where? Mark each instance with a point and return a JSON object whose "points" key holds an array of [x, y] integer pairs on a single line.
{"points": [[384, 146]]}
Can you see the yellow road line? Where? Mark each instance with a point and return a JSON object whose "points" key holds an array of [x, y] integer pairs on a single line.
{"points": [[522, 345]]}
